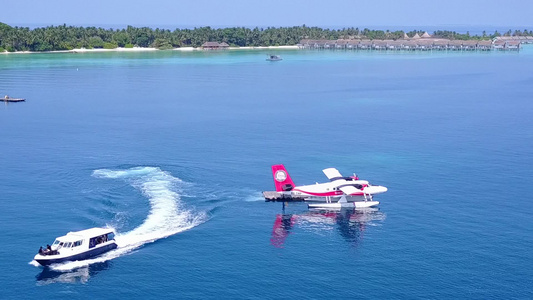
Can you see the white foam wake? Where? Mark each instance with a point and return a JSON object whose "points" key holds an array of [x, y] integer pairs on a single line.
{"points": [[167, 215]]}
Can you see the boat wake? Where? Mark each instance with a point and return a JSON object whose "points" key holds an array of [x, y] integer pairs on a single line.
{"points": [[168, 214]]}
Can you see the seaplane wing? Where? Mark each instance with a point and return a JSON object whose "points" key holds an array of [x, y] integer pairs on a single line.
{"points": [[349, 189], [332, 174]]}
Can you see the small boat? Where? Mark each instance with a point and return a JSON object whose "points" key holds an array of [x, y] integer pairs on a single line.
{"points": [[78, 245], [9, 99], [274, 58]]}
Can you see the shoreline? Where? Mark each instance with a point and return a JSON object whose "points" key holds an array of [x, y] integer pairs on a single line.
{"points": [[141, 49]]}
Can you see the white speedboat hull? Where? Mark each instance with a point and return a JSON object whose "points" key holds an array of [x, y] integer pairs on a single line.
{"points": [[46, 260]]}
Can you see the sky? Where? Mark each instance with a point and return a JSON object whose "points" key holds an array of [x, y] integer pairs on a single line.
{"points": [[373, 14]]}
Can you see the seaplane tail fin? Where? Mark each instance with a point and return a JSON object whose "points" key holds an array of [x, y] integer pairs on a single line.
{"points": [[332, 174], [282, 179]]}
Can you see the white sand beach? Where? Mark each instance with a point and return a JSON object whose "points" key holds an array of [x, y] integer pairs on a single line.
{"points": [[140, 49]]}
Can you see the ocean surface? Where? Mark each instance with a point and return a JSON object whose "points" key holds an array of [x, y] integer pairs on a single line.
{"points": [[173, 150]]}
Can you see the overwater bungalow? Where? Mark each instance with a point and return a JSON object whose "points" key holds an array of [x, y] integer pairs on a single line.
{"points": [[512, 45], [469, 45], [484, 45], [341, 44], [499, 44], [379, 45], [365, 44], [409, 45], [440, 44], [395, 45], [352, 44], [455, 45], [424, 43]]}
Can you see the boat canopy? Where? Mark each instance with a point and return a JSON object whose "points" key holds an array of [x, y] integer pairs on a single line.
{"points": [[87, 233]]}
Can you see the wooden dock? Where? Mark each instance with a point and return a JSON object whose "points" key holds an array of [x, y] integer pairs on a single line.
{"points": [[279, 197]]}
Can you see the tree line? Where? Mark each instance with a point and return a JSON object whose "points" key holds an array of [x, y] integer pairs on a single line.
{"points": [[65, 37]]}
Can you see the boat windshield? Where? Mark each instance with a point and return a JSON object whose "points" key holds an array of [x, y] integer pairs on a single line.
{"points": [[56, 242]]}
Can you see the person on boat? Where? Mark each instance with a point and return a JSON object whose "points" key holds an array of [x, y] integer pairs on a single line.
{"points": [[41, 250], [6, 97], [48, 247]]}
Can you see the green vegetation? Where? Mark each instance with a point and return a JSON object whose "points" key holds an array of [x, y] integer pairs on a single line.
{"points": [[69, 37], [108, 45]]}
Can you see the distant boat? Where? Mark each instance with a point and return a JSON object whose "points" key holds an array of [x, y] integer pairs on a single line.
{"points": [[274, 58], [9, 99]]}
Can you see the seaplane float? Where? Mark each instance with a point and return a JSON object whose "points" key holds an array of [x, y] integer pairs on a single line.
{"points": [[78, 245], [339, 192]]}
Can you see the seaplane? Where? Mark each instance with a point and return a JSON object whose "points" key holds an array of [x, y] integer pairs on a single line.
{"points": [[339, 192]]}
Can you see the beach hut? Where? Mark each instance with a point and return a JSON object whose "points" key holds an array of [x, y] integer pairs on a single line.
{"points": [[210, 45], [426, 35], [214, 45], [416, 36], [405, 36]]}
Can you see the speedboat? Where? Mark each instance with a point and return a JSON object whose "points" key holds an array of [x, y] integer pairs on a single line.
{"points": [[78, 245], [274, 58]]}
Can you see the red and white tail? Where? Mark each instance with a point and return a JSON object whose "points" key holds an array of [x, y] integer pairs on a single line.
{"points": [[282, 180]]}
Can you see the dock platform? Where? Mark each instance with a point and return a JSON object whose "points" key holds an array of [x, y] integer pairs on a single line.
{"points": [[279, 197]]}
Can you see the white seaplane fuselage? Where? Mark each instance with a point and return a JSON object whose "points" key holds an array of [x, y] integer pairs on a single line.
{"points": [[330, 193], [339, 192]]}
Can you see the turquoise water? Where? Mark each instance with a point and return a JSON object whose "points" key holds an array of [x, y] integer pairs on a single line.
{"points": [[173, 150]]}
